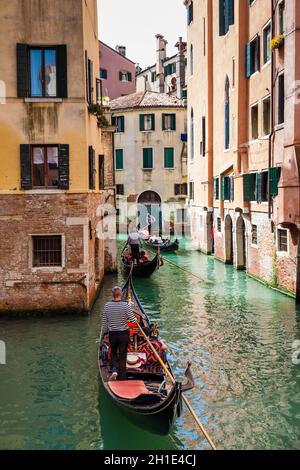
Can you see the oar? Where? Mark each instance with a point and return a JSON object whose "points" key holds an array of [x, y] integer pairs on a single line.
{"points": [[188, 404], [186, 270]]}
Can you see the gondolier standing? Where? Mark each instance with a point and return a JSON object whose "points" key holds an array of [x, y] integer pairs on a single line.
{"points": [[116, 315], [134, 242]]}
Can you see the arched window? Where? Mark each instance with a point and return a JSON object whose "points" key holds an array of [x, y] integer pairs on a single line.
{"points": [[192, 60], [192, 132], [227, 113]]}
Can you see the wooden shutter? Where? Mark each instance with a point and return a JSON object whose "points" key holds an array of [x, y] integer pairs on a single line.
{"points": [[129, 76], [91, 81], [221, 18], [91, 168], [64, 166], [122, 123], [153, 122], [248, 60], [258, 51], [87, 78], [22, 71], [101, 172], [230, 10], [26, 167], [148, 159], [274, 177], [163, 122], [119, 159], [113, 121], [169, 157], [141, 122], [62, 71], [225, 188], [247, 187], [120, 76], [231, 188], [258, 187], [173, 118]]}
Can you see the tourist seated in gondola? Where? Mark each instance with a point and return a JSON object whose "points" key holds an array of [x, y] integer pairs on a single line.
{"points": [[128, 258], [143, 257], [116, 315]]}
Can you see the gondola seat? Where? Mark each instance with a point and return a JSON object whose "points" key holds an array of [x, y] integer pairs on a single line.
{"points": [[129, 389]]}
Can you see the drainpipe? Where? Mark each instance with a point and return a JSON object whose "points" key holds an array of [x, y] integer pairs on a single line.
{"points": [[272, 111]]}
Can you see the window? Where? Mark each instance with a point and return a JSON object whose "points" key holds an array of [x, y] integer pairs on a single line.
{"points": [[249, 187], [180, 189], [281, 18], [261, 187], [282, 240], [125, 76], [119, 159], [192, 131], [147, 122], [266, 116], [47, 251], [254, 235], [281, 99], [148, 159], [170, 69], [103, 74], [92, 169], [184, 94], [191, 60], [216, 189], [219, 224], [181, 215], [99, 91], [226, 16], [101, 173], [153, 77], [169, 158], [227, 114], [253, 56], [233, 72], [45, 172], [267, 41], [169, 122], [254, 122], [120, 189], [119, 122], [228, 188], [43, 81], [191, 191], [89, 79], [203, 142], [190, 13]]}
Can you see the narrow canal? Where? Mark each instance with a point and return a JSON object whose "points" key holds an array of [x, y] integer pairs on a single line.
{"points": [[238, 334]]}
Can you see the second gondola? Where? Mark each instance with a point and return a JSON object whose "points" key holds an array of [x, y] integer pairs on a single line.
{"points": [[142, 269]]}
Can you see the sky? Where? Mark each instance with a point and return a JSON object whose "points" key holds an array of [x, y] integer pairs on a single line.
{"points": [[134, 24]]}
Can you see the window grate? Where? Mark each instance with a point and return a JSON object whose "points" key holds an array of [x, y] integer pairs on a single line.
{"points": [[254, 235], [47, 251], [282, 240]]}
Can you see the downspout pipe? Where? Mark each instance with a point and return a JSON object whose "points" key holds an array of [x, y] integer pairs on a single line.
{"points": [[271, 136]]}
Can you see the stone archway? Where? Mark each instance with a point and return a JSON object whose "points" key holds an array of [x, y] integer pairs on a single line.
{"points": [[241, 257], [228, 240], [149, 202]]}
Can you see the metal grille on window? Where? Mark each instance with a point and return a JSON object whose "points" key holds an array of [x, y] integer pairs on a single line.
{"points": [[282, 240], [47, 251]]}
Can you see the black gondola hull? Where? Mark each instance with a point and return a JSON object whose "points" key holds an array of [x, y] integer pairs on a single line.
{"points": [[164, 247]]}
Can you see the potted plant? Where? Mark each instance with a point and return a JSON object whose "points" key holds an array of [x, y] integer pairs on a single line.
{"points": [[277, 42]]}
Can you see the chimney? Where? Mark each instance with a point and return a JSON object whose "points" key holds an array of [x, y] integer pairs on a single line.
{"points": [[161, 54], [121, 50], [180, 67]]}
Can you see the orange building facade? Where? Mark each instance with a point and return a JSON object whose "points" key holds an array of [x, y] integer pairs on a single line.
{"points": [[243, 122]]}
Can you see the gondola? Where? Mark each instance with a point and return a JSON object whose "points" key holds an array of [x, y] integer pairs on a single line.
{"points": [[165, 246], [141, 269], [147, 397]]}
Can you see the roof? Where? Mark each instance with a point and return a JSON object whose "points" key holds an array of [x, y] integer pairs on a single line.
{"points": [[146, 99], [154, 66], [116, 52]]}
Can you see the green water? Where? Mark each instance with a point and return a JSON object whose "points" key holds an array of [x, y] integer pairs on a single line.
{"points": [[237, 333]]}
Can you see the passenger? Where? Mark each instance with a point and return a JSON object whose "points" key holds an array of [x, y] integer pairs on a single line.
{"points": [[116, 315], [143, 257]]}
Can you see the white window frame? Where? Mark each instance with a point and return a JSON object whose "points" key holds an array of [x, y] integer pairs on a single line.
{"points": [[279, 252], [267, 25], [268, 97], [252, 140]]}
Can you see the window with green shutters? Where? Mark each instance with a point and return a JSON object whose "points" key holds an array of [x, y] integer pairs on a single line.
{"points": [[119, 159], [274, 177], [226, 16], [169, 122], [228, 188], [191, 190], [169, 158], [249, 187], [119, 122], [190, 13], [147, 159], [216, 189], [147, 122], [261, 187], [253, 56]]}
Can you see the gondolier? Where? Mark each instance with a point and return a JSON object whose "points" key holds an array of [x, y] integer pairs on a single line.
{"points": [[116, 315], [134, 240]]}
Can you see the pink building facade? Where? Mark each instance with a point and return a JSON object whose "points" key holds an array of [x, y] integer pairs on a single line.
{"points": [[117, 72]]}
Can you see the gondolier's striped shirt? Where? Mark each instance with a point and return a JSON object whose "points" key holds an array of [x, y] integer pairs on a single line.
{"points": [[116, 315]]}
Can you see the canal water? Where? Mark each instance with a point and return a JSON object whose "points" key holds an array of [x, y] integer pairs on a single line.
{"points": [[238, 334]]}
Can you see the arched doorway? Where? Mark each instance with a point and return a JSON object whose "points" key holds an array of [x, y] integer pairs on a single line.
{"points": [[241, 259], [149, 202], [228, 240]]}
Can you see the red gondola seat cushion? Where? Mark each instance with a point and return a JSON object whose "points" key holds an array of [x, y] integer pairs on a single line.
{"points": [[129, 389]]}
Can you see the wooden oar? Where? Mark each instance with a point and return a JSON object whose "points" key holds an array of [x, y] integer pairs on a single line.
{"points": [[188, 404]]}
